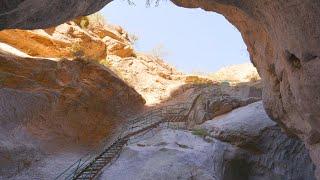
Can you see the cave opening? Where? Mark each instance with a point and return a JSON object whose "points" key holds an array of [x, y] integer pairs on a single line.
{"points": [[80, 88], [203, 52], [192, 40]]}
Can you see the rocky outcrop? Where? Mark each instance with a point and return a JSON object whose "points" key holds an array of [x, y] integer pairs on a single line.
{"points": [[70, 40], [150, 76], [282, 38], [244, 144], [45, 14], [236, 74], [272, 151], [206, 101], [47, 106], [70, 89], [286, 54], [102, 43]]}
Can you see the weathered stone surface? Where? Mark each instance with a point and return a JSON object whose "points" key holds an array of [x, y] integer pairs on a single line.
{"points": [[103, 43], [209, 105], [70, 40], [74, 92], [206, 101], [34, 14], [46, 106], [284, 43], [283, 38], [255, 148], [272, 151]]}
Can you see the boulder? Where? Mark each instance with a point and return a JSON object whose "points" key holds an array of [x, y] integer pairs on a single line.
{"points": [[256, 149]]}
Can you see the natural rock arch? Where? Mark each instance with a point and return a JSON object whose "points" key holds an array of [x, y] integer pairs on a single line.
{"points": [[283, 39]]}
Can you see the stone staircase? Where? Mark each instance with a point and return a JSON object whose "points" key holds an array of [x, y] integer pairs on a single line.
{"points": [[91, 167]]}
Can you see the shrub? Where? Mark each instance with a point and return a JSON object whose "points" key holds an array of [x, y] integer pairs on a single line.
{"points": [[148, 2], [225, 83], [159, 51], [133, 38], [76, 50], [197, 80], [82, 21], [200, 132], [94, 19], [106, 63]]}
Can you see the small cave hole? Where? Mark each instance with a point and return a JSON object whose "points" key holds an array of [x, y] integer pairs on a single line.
{"points": [[237, 169], [293, 60]]}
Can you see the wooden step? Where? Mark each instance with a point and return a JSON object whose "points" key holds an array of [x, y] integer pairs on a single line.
{"points": [[92, 170], [101, 160], [90, 177], [98, 167], [108, 156], [99, 164]]}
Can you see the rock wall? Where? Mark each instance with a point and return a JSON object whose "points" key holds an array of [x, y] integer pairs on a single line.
{"points": [[48, 106], [103, 43], [286, 54], [80, 99], [43, 14], [283, 38], [243, 144]]}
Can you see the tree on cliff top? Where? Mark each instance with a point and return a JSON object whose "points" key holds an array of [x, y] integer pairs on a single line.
{"points": [[148, 2]]}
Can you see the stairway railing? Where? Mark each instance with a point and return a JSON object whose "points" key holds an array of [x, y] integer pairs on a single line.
{"points": [[134, 126]]}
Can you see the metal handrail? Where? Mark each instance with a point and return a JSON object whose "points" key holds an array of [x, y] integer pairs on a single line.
{"points": [[141, 118]]}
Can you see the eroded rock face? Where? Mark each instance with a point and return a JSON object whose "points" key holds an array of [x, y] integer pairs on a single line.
{"points": [[77, 99], [283, 38], [45, 13], [47, 105], [246, 144], [70, 40], [284, 44]]}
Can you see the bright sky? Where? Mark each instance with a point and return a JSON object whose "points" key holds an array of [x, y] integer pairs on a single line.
{"points": [[194, 40]]}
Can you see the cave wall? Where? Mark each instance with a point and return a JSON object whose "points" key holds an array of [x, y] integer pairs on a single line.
{"points": [[283, 39], [44, 13]]}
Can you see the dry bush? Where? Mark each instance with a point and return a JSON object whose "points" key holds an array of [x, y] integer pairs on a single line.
{"points": [[82, 22], [91, 20], [106, 63], [148, 2], [133, 38], [96, 19], [198, 80], [76, 50], [159, 51]]}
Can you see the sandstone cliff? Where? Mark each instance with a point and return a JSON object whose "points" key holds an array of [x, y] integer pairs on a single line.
{"points": [[282, 38], [77, 82], [102, 43], [49, 103]]}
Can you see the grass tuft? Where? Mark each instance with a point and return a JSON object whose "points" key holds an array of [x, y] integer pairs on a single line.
{"points": [[200, 132]]}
